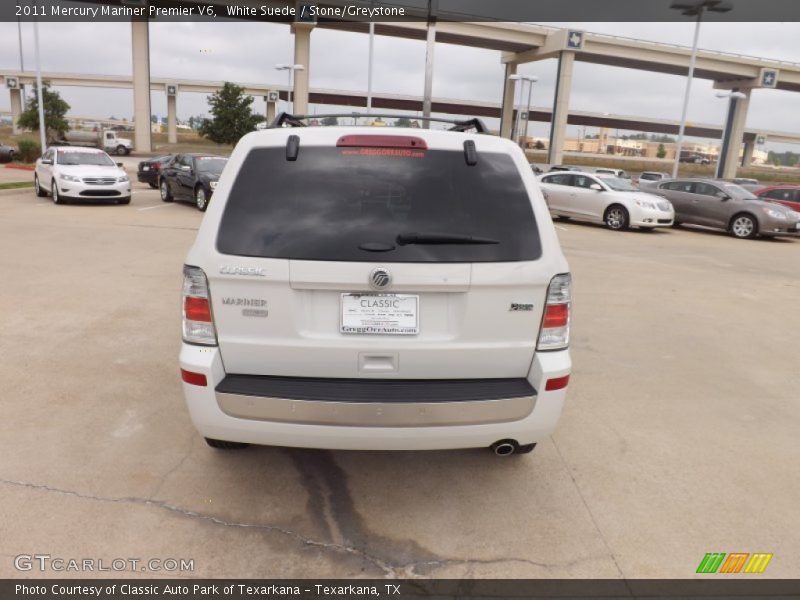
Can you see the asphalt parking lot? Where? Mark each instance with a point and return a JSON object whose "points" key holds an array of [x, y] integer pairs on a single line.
{"points": [[679, 436]]}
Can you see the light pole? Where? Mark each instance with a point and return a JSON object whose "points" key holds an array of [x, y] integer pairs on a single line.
{"points": [[39, 91], [693, 8], [370, 61], [291, 69], [723, 145], [531, 79], [21, 59]]}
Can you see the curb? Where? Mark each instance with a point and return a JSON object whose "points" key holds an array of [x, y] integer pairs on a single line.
{"points": [[15, 191], [20, 167]]}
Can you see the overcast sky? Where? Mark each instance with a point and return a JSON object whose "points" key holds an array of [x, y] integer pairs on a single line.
{"points": [[247, 52]]}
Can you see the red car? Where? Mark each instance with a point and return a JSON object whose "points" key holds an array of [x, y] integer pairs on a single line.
{"points": [[786, 194]]}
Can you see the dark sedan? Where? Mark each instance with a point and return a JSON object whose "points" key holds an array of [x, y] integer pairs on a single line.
{"points": [[150, 169], [725, 205], [191, 178], [6, 153]]}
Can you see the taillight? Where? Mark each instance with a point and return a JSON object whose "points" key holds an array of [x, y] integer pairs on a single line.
{"points": [[198, 322], [555, 323]]}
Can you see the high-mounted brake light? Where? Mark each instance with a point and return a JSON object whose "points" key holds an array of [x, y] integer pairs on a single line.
{"points": [[555, 321], [198, 320], [382, 141]]}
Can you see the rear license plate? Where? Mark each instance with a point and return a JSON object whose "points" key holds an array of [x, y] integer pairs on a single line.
{"points": [[381, 314], [144, 168]]}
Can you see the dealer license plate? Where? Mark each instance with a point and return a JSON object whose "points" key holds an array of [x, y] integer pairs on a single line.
{"points": [[381, 314]]}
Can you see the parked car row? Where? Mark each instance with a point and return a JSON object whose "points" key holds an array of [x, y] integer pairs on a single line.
{"points": [[605, 199], [725, 205], [601, 198]]}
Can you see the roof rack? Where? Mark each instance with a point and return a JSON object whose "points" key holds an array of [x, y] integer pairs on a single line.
{"points": [[287, 120]]}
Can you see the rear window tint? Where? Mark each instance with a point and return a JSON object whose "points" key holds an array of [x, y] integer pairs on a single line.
{"points": [[330, 201]]}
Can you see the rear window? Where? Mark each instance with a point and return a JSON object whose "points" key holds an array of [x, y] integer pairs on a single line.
{"points": [[331, 201]]}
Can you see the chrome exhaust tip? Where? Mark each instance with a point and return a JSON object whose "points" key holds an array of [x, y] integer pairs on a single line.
{"points": [[504, 447]]}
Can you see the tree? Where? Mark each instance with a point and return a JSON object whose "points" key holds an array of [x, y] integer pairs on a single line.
{"points": [[330, 121], [661, 152], [402, 122], [231, 115], [539, 145], [55, 111]]}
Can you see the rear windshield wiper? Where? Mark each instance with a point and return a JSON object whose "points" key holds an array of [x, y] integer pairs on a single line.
{"points": [[415, 237]]}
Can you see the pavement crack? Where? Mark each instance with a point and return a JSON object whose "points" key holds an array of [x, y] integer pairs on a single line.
{"points": [[390, 570], [588, 510], [169, 473]]}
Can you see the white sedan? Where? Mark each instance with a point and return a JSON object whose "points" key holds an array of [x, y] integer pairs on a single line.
{"points": [[604, 199], [80, 174]]}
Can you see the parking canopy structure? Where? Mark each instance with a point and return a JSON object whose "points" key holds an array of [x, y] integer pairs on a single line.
{"points": [[518, 44]]}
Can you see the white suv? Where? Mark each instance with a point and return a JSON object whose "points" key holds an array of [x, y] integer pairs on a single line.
{"points": [[393, 290]]}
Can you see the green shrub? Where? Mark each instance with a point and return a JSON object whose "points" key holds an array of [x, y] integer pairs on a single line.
{"points": [[29, 151]]}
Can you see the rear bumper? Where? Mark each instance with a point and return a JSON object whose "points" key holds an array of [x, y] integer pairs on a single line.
{"points": [[147, 176], [225, 413]]}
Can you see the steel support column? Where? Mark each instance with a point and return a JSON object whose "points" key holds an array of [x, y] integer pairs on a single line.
{"points": [[507, 110], [16, 109], [558, 124], [302, 56], [172, 119], [732, 136]]}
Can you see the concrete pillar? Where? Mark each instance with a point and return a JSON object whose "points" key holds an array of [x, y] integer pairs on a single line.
{"points": [[507, 110], [747, 156], [172, 119], [302, 56], [558, 122], [16, 109], [733, 135], [140, 52]]}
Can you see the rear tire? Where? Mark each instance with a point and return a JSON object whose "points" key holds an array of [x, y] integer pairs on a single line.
{"points": [[223, 445], [744, 226], [166, 195], [616, 217]]}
